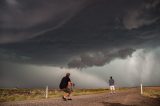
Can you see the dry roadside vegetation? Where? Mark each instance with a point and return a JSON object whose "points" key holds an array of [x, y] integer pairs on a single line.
{"points": [[152, 92], [17, 94]]}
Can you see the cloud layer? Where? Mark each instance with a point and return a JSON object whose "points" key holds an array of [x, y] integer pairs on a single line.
{"points": [[145, 14], [76, 33], [98, 59], [141, 67], [26, 19], [96, 28]]}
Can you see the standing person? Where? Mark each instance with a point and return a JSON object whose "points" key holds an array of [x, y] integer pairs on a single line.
{"points": [[111, 85], [66, 85]]}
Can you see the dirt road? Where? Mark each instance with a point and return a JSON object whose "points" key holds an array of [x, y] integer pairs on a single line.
{"points": [[125, 98]]}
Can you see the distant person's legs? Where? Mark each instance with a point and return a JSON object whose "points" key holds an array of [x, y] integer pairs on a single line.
{"points": [[112, 89]]}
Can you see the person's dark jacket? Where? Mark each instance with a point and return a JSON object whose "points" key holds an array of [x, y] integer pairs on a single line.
{"points": [[64, 82]]}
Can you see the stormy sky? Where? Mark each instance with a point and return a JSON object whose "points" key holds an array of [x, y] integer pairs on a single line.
{"points": [[41, 40]]}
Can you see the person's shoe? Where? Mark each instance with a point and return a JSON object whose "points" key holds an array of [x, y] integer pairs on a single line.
{"points": [[64, 98], [69, 99]]}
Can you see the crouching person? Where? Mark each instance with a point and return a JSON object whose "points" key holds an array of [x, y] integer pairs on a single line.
{"points": [[67, 86]]}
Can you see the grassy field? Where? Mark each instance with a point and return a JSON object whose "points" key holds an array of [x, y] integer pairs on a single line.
{"points": [[16, 94], [153, 92], [34, 94]]}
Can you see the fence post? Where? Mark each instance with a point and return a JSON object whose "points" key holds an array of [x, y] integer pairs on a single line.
{"points": [[46, 92], [141, 89]]}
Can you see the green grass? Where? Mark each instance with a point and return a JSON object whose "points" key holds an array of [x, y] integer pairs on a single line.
{"points": [[35, 94]]}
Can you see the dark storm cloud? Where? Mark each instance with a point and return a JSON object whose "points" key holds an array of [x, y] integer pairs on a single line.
{"points": [[68, 32], [99, 59], [24, 19], [146, 14]]}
